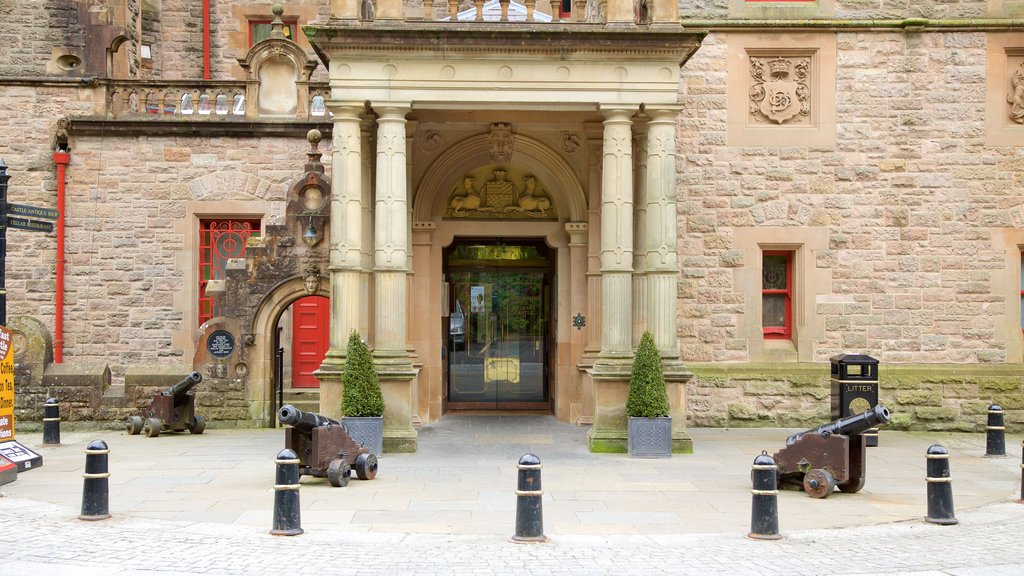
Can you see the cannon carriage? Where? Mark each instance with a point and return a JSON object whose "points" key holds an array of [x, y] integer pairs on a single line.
{"points": [[830, 456], [172, 410], [325, 448]]}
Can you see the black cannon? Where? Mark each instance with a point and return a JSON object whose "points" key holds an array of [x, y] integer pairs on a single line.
{"points": [[830, 456], [325, 447], [172, 410]]}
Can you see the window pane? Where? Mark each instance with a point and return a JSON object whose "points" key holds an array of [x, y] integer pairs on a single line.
{"points": [[773, 311], [774, 272]]}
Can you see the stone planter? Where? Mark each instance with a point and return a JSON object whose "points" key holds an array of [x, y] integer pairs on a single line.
{"points": [[650, 437], [367, 430]]}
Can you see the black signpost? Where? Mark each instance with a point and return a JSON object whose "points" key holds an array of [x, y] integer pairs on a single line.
{"points": [[21, 217]]}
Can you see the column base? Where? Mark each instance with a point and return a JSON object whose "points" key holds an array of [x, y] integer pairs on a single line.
{"points": [[396, 375], [330, 374], [614, 441]]}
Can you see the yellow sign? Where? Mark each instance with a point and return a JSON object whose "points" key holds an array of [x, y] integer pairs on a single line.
{"points": [[502, 369], [6, 386]]}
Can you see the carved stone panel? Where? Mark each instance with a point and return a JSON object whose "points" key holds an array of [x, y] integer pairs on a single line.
{"points": [[1015, 95], [780, 89], [498, 192]]}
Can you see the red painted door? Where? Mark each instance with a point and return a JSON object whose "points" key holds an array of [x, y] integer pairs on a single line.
{"points": [[311, 317]]}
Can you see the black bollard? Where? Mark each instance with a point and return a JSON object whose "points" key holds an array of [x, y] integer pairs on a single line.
{"points": [[96, 488], [995, 432], [764, 515], [529, 512], [51, 422], [940, 487], [286, 495]]}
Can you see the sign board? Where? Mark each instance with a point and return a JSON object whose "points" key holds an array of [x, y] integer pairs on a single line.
{"points": [[6, 385], [24, 458], [8, 471], [220, 344], [32, 212], [26, 224]]}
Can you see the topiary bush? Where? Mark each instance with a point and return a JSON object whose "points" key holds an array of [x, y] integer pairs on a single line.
{"points": [[647, 396], [361, 388]]}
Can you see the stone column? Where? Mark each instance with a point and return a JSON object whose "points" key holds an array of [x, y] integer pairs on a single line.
{"points": [[662, 263], [665, 13], [391, 257], [346, 242], [619, 13], [640, 234], [610, 373]]}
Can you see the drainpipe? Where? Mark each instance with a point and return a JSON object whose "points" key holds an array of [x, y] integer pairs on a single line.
{"points": [[62, 157], [206, 39]]}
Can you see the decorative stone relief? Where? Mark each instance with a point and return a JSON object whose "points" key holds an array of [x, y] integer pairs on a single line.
{"points": [[780, 90], [1016, 95], [431, 140], [500, 198], [501, 141], [570, 142]]}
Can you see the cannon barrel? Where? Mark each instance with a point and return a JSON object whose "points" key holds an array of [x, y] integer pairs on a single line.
{"points": [[185, 385], [850, 425], [305, 421]]}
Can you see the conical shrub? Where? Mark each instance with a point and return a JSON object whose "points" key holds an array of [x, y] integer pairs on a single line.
{"points": [[647, 396], [361, 388]]}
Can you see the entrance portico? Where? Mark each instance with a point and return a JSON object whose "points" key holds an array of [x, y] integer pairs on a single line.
{"points": [[561, 133]]}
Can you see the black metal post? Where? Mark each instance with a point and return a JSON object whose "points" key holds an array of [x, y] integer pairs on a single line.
{"points": [[529, 511], [4, 178], [51, 422], [764, 509], [995, 432], [940, 487], [96, 489], [287, 520]]}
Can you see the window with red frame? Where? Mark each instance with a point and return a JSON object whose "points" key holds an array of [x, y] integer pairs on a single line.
{"points": [[219, 241], [259, 30], [565, 9], [777, 294]]}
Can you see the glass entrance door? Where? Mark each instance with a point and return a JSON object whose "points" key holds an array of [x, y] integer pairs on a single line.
{"points": [[498, 329]]}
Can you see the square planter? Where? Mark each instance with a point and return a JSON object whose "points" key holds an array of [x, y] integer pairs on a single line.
{"points": [[650, 437], [367, 430]]}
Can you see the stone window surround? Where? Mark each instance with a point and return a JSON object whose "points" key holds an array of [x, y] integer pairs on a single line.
{"points": [[242, 14], [1005, 52], [1008, 281], [781, 10], [821, 48], [186, 301], [811, 285], [1005, 8]]}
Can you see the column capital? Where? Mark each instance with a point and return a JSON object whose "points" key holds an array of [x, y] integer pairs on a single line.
{"points": [[345, 109], [619, 112], [391, 110], [660, 113]]}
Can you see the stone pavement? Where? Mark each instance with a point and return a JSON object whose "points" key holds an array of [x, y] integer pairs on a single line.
{"points": [[203, 504]]}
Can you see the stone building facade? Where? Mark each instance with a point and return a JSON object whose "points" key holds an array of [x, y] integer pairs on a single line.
{"points": [[763, 185]]}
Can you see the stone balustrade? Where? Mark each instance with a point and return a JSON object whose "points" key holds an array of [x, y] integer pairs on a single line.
{"points": [[206, 100]]}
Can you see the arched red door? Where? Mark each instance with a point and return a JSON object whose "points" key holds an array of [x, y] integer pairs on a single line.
{"points": [[311, 319]]}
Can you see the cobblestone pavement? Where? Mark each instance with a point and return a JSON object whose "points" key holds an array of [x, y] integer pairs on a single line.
{"points": [[203, 505], [43, 539]]}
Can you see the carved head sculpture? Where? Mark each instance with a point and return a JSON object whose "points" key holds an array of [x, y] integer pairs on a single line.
{"points": [[312, 283]]}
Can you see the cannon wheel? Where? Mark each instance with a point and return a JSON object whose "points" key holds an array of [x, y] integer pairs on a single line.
{"points": [[338, 473], [852, 485], [134, 425], [819, 483], [366, 466], [197, 425], [152, 427]]}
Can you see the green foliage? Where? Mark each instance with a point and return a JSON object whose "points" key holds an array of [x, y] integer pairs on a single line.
{"points": [[647, 396], [361, 395]]}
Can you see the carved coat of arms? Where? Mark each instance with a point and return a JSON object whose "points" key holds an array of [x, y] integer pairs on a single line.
{"points": [[780, 91], [499, 197]]}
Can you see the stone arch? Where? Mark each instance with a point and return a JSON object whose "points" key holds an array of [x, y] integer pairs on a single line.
{"points": [[260, 389], [471, 153]]}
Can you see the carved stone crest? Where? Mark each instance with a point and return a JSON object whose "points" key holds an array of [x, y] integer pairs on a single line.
{"points": [[501, 142], [499, 198], [780, 90], [1016, 95]]}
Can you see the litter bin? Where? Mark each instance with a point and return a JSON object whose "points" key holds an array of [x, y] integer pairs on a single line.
{"points": [[855, 388]]}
